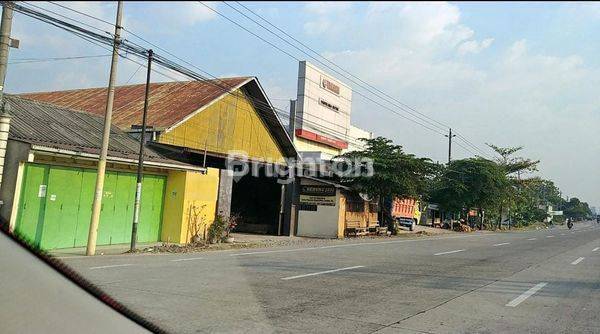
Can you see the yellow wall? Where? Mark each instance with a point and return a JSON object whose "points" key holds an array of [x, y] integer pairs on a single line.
{"points": [[230, 124], [189, 192], [173, 207], [305, 145]]}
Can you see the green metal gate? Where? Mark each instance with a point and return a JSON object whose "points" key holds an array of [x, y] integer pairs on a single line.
{"points": [[56, 205]]}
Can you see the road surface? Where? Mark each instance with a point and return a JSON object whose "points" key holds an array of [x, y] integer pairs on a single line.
{"points": [[545, 281], [34, 298]]}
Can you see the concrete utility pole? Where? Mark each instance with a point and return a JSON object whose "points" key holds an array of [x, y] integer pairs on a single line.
{"points": [[93, 233], [292, 123], [450, 135], [140, 166], [5, 44]]}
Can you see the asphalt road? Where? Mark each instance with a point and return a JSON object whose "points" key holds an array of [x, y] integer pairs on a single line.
{"points": [[34, 298], [545, 281]]}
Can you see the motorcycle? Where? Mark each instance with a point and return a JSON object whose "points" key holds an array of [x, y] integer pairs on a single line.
{"points": [[570, 224]]}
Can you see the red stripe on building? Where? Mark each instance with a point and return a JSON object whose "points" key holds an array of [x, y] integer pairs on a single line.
{"points": [[336, 143]]}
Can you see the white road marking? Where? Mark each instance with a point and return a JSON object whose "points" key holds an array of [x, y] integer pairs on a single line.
{"points": [[515, 302], [188, 259], [578, 260], [502, 244], [356, 244], [595, 249], [549, 236], [112, 266], [531, 239], [450, 252], [562, 234], [321, 272]]}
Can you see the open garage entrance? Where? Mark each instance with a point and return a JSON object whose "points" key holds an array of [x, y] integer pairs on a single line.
{"points": [[256, 200]]}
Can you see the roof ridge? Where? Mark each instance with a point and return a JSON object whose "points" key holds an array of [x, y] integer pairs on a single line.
{"points": [[131, 85]]}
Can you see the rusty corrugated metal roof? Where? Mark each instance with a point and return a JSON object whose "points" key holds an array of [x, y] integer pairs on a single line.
{"points": [[44, 124], [169, 102]]}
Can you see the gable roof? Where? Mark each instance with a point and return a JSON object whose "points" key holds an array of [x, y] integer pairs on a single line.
{"points": [[49, 126], [170, 103]]}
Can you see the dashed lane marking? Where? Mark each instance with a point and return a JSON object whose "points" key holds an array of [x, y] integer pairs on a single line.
{"points": [[111, 266], [321, 273], [515, 302], [450, 252]]}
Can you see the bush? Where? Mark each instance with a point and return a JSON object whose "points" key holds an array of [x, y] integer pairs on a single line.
{"points": [[216, 231]]}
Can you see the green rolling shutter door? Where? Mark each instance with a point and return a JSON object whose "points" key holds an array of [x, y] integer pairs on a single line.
{"points": [[59, 218], [153, 189], [30, 218]]}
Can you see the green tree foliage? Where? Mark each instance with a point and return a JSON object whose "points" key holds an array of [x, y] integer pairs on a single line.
{"points": [[396, 173], [470, 183], [577, 209]]}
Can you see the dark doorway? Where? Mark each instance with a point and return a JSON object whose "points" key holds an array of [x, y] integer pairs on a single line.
{"points": [[256, 201]]}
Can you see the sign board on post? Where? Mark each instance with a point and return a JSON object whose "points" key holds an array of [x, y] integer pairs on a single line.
{"points": [[317, 195]]}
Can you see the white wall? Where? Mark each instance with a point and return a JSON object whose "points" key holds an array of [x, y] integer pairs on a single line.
{"points": [[354, 133], [322, 223], [311, 114]]}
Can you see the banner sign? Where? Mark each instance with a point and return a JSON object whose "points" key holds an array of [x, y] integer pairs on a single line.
{"points": [[317, 195]]}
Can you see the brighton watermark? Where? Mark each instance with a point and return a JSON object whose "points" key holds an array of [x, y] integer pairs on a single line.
{"points": [[240, 164]]}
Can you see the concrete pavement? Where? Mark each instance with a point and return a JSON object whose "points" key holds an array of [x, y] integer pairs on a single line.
{"points": [[531, 281]]}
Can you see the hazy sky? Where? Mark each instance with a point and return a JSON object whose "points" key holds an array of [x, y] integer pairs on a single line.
{"points": [[504, 73]]}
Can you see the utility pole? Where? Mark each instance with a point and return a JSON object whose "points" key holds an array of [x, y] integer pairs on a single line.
{"points": [[97, 204], [292, 123], [450, 135], [5, 44], [140, 166]]}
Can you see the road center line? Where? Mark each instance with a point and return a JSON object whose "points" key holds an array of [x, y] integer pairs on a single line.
{"points": [[321, 272], [356, 244], [450, 252], [515, 302], [578, 260], [188, 259], [502, 244], [112, 266], [595, 249], [531, 239], [549, 236]]}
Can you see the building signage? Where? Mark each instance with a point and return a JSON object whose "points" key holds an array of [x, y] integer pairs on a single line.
{"points": [[329, 105], [330, 86], [317, 195], [336, 143]]}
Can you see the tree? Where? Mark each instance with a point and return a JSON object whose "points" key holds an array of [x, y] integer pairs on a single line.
{"points": [[577, 209], [470, 183], [395, 173], [513, 168]]}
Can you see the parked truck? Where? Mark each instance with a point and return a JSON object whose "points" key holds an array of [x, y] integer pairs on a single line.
{"points": [[406, 212]]}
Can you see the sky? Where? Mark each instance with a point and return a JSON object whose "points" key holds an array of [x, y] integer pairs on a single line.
{"points": [[510, 74]]}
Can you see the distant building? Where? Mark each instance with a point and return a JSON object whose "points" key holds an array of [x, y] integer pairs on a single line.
{"points": [[322, 125]]}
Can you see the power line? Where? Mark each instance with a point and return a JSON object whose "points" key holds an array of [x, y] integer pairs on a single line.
{"points": [[41, 60], [333, 63], [273, 45], [329, 61], [297, 59], [140, 52]]}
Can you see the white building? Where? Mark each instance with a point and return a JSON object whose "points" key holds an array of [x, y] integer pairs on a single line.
{"points": [[321, 127]]}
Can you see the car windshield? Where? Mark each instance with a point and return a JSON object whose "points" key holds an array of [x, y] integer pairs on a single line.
{"points": [[299, 167]]}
